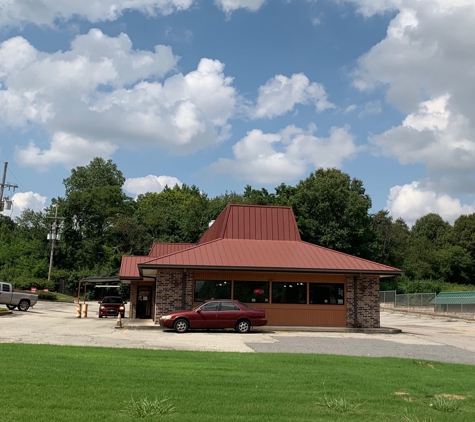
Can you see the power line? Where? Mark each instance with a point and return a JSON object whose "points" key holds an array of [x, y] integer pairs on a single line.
{"points": [[54, 236], [4, 185], [24, 190]]}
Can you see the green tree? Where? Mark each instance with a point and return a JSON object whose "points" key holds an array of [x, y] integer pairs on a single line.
{"points": [[178, 214], [429, 253], [392, 237], [433, 228], [258, 197], [332, 211], [93, 206], [98, 173], [464, 233]]}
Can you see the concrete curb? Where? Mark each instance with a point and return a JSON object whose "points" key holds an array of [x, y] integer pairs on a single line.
{"points": [[427, 314], [2, 313], [132, 325]]}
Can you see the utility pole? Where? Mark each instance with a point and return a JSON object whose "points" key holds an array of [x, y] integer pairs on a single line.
{"points": [[53, 236], [4, 185]]}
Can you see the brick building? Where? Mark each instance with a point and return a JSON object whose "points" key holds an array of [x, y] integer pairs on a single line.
{"points": [[255, 254]]}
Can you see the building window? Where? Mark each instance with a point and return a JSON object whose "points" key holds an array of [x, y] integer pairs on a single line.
{"points": [[251, 291], [289, 292], [205, 290], [327, 294]]}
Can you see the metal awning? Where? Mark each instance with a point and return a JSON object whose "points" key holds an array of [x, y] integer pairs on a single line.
{"points": [[454, 298]]}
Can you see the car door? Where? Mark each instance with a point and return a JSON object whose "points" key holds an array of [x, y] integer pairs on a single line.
{"points": [[208, 316], [229, 313]]}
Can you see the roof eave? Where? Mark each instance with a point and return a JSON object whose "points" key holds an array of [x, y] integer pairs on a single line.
{"points": [[271, 269]]}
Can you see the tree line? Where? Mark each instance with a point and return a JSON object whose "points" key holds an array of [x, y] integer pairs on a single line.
{"points": [[102, 223]]}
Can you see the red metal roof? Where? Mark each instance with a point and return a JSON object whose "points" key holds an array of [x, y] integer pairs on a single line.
{"points": [[268, 254], [253, 222], [161, 249], [128, 266]]}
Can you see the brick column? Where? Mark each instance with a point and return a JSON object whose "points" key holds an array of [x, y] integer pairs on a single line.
{"points": [[366, 312], [174, 292]]}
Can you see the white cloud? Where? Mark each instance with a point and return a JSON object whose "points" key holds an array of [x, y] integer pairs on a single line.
{"points": [[229, 6], [150, 183], [436, 137], [284, 156], [350, 108], [412, 201], [185, 113], [46, 12], [106, 93], [64, 149], [370, 108], [425, 65], [280, 95], [371, 7], [23, 201], [428, 51]]}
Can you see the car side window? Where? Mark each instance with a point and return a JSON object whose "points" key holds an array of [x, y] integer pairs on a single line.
{"points": [[5, 287], [229, 306], [210, 307]]}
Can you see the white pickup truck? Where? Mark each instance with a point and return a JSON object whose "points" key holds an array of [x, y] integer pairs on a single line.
{"points": [[16, 299]]}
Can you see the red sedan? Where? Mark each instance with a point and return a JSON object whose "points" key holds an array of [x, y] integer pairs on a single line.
{"points": [[215, 314]]}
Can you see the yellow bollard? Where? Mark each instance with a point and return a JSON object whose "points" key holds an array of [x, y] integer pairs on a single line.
{"points": [[78, 310], [84, 310], [119, 321]]}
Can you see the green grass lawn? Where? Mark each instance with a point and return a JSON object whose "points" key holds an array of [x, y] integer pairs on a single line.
{"points": [[64, 298], [3, 309], [59, 383]]}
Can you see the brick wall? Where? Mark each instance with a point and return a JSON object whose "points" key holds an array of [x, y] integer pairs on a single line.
{"points": [[367, 302], [174, 292]]}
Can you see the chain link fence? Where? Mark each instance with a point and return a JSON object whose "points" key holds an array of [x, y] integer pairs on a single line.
{"points": [[388, 296], [407, 300], [415, 299]]}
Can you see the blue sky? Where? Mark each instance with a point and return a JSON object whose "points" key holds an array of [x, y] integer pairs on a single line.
{"points": [[225, 93]]}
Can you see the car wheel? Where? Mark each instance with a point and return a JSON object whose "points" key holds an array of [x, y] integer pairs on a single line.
{"points": [[181, 325], [23, 305], [11, 307], [243, 326], [100, 316]]}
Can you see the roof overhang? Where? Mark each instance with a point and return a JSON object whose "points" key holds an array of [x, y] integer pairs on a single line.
{"points": [[115, 279], [147, 269]]}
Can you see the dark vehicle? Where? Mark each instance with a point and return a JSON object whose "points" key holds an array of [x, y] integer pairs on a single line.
{"points": [[215, 314], [112, 306]]}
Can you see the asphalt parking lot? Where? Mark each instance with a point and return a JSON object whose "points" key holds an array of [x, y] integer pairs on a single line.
{"points": [[425, 338]]}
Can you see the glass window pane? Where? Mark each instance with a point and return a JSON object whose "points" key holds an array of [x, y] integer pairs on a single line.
{"points": [[251, 291], [327, 294], [289, 292], [209, 307], [6, 287], [229, 306], [205, 290]]}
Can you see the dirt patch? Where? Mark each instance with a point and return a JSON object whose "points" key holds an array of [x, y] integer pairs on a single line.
{"points": [[451, 396]]}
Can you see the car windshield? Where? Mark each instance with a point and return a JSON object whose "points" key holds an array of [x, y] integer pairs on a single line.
{"points": [[112, 300]]}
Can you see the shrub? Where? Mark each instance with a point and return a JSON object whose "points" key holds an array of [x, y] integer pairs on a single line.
{"points": [[47, 295], [25, 283]]}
